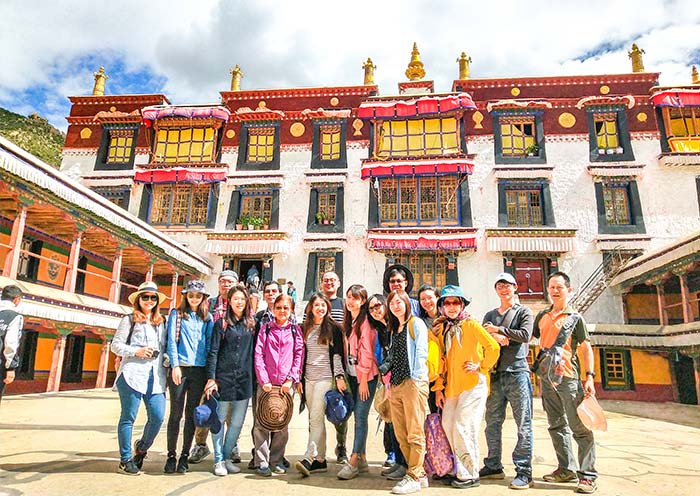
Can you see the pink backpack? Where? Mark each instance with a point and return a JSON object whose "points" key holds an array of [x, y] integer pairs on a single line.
{"points": [[438, 454]]}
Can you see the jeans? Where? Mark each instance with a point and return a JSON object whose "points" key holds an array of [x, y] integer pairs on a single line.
{"points": [[514, 388], [185, 397], [361, 414], [155, 409], [560, 404], [224, 444]]}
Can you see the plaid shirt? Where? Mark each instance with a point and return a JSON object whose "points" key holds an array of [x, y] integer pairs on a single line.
{"points": [[217, 307]]}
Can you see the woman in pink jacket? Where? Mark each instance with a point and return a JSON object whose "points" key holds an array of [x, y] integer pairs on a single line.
{"points": [[279, 355], [362, 374]]}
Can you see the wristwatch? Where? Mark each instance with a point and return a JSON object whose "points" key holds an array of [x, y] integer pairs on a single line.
{"points": [[590, 374]]}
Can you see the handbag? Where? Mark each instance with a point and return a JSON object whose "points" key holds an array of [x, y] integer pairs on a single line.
{"points": [[439, 459], [381, 403]]}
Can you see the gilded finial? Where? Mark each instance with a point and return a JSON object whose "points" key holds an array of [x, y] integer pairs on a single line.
{"points": [[636, 56], [369, 68], [100, 78], [415, 69], [464, 62], [236, 75], [694, 75]]}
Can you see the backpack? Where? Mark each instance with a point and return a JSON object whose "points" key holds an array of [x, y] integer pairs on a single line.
{"points": [[339, 406], [6, 318], [547, 364], [439, 459]]}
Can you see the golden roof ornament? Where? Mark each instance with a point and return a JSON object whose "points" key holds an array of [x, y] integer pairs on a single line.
{"points": [[464, 62], [636, 56], [100, 78], [236, 75], [369, 68], [415, 69], [694, 75]]}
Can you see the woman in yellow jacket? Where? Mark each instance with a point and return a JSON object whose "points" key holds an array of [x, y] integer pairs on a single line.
{"points": [[462, 386]]}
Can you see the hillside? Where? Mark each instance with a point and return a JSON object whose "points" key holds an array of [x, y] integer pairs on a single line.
{"points": [[34, 134]]}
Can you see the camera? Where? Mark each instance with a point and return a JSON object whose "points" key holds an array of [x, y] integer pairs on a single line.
{"points": [[385, 367], [155, 354]]}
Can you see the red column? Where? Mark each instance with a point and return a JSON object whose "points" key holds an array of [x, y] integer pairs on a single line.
{"points": [[116, 286], [173, 290], [102, 369], [685, 297], [59, 349], [663, 320], [149, 274], [12, 258], [73, 258]]}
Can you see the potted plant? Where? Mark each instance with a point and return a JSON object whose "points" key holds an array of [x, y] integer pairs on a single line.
{"points": [[242, 221], [532, 150], [320, 217], [257, 222], [266, 224]]}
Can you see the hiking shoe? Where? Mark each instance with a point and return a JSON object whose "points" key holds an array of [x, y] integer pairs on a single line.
{"points": [[521, 481], [407, 485], [170, 464], [317, 466], [279, 469], [139, 454], [398, 474], [220, 469], [341, 454], [465, 484], [390, 459], [183, 465], [304, 467], [286, 463], [128, 468], [348, 472], [560, 475], [363, 466], [489, 473], [586, 486], [264, 471], [199, 453], [230, 467]]}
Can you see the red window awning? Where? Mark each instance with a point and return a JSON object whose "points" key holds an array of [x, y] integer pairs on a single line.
{"points": [[179, 175], [150, 114], [372, 169], [422, 242], [414, 107], [676, 98]]}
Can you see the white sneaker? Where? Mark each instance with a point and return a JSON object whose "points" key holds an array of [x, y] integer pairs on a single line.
{"points": [[407, 485], [220, 469], [424, 482], [230, 467]]}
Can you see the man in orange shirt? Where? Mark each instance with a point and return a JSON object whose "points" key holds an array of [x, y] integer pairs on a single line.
{"points": [[560, 401]]}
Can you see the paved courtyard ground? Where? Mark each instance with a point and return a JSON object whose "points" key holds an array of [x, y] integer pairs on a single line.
{"points": [[65, 443]]}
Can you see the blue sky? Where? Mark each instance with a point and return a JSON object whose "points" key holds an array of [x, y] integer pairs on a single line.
{"points": [[50, 49]]}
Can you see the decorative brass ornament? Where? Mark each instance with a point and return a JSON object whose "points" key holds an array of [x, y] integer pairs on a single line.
{"points": [[567, 120], [369, 68], [515, 91], [415, 71], [85, 133], [100, 77], [236, 75], [262, 103], [642, 117], [605, 89], [463, 62], [357, 126], [335, 101], [112, 108], [478, 117], [230, 133], [635, 56], [297, 129]]}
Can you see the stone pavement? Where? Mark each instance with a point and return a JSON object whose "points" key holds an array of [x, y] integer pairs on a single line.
{"points": [[65, 443]]}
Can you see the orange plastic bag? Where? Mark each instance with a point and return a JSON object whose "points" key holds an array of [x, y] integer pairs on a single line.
{"points": [[592, 415]]}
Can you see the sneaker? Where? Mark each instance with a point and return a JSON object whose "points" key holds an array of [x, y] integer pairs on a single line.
{"points": [[424, 482], [465, 484], [220, 469], [230, 467], [139, 455], [264, 471], [199, 453], [183, 465], [341, 454], [279, 469], [317, 466], [236, 457], [170, 464], [407, 485], [304, 467], [363, 466], [490, 473], [446, 480], [390, 459], [286, 463], [586, 486], [128, 468], [521, 481], [251, 464], [386, 471], [398, 474], [348, 472], [560, 475]]}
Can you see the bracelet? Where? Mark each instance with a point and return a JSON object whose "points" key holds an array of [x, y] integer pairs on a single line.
{"points": [[590, 374]]}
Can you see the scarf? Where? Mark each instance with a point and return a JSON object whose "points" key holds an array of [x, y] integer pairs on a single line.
{"points": [[453, 327]]}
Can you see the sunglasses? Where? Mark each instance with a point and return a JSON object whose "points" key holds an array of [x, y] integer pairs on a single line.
{"points": [[375, 307], [397, 281], [145, 297]]}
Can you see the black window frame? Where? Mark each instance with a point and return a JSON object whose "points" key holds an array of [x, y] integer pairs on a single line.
{"points": [[242, 163], [212, 206], [636, 225], [234, 208], [103, 151], [312, 271], [626, 365], [316, 161], [623, 132], [314, 193], [123, 193], [545, 199], [499, 158]]}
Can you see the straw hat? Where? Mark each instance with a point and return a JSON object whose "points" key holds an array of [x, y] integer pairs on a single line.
{"points": [[274, 409], [147, 287]]}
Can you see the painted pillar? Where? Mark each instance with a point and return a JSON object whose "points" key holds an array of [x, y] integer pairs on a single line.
{"points": [[115, 287], [104, 366], [696, 369], [12, 258], [173, 290], [685, 299], [663, 320], [149, 274], [73, 258], [59, 349]]}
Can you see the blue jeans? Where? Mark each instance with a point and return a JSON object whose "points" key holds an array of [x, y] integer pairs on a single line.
{"points": [[361, 413], [224, 444], [514, 388], [130, 400]]}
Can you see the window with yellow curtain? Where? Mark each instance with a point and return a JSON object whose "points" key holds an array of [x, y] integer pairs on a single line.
{"points": [[606, 131], [414, 201], [330, 142], [179, 144], [417, 138], [120, 144], [517, 135], [180, 204], [682, 122], [261, 144]]}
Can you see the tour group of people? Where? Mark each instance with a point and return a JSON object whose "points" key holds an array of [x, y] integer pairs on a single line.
{"points": [[425, 355]]}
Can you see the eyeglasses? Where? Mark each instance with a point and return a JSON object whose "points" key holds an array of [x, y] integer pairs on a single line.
{"points": [[396, 281], [450, 303], [271, 291], [375, 307], [145, 297], [329, 280], [195, 295]]}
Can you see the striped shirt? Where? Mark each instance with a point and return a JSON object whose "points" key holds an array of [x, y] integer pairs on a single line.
{"points": [[318, 362], [338, 310]]}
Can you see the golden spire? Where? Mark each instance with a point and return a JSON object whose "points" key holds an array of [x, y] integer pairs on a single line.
{"points": [[369, 68], [236, 75], [100, 78], [636, 55], [464, 62], [694, 75], [415, 69]]}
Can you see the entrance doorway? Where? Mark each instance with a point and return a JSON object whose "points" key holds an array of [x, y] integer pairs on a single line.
{"points": [[685, 379], [252, 272]]}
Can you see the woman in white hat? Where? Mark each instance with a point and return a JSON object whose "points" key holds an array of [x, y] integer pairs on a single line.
{"points": [[140, 342], [189, 341]]}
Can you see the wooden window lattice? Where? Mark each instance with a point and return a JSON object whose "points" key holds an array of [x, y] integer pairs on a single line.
{"points": [[606, 130], [428, 268], [324, 263], [682, 122], [517, 134], [418, 201], [180, 204], [327, 204], [257, 205], [524, 207], [616, 202], [330, 141]]}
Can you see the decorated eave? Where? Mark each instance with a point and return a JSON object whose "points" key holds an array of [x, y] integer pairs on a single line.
{"points": [[245, 114], [602, 101], [511, 104], [157, 112], [179, 175], [662, 338], [321, 113], [460, 164], [421, 239], [116, 117], [415, 107], [245, 242], [286, 93], [676, 97], [530, 240], [147, 99], [30, 169], [552, 81]]}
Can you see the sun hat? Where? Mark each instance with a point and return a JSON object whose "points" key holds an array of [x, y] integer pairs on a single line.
{"points": [[405, 270], [205, 415], [454, 292], [147, 287], [505, 277], [228, 273], [274, 409], [195, 286]]}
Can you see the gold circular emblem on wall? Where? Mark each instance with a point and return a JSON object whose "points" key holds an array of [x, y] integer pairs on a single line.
{"points": [[112, 108], [262, 103], [230, 133], [605, 89], [297, 129], [642, 117], [515, 91], [85, 133], [334, 101], [567, 120]]}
